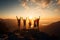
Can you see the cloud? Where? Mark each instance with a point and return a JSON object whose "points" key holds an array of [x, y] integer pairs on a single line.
{"points": [[58, 2], [57, 10], [42, 3], [39, 3], [24, 4]]}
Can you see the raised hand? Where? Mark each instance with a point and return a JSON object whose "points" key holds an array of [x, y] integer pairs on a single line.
{"points": [[17, 17]]}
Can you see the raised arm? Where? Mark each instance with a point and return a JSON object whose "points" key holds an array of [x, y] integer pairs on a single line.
{"points": [[17, 17]]}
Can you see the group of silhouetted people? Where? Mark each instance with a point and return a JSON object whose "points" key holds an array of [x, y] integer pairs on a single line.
{"points": [[36, 22]]}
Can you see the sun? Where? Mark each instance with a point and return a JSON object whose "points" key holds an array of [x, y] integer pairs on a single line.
{"points": [[30, 17]]}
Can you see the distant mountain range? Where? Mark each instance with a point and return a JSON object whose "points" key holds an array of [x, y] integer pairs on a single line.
{"points": [[53, 29]]}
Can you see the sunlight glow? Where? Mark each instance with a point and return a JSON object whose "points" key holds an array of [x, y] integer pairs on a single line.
{"points": [[30, 17]]}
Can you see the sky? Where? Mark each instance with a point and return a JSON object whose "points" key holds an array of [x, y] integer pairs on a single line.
{"points": [[35, 8]]}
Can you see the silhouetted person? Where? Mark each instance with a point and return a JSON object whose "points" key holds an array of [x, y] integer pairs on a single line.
{"points": [[24, 24], [29, 24], [18, 22], [37, 22]]}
